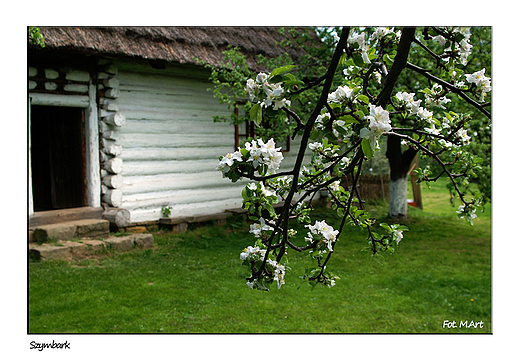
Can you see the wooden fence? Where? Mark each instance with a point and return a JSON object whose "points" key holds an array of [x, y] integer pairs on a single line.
{"points": [[372, 187]]}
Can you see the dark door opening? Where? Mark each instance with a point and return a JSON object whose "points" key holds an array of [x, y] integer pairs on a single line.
{"points": [[58, 158]]}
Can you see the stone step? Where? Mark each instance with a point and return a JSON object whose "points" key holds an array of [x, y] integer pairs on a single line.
{"points": [[85, 228], [68, 250]]}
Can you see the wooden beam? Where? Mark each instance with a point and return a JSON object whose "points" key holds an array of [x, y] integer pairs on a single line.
{"points": [[64, 215], [77, 101]]}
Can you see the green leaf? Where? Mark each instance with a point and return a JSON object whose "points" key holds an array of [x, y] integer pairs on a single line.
{"points": [[256, 114], [342, 58], [385, 226], [281, 70], [364, 99], [348, 119], [358, 60], [367, 149], [388, 59], [361, 114], [341, 130], [270, 209]]}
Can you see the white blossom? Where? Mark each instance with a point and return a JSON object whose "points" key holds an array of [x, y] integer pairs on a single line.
{"points": [[439, 39], [425, 115], [341, 94], [335, 124], [322, 232], [320, 119], [463, 135], [344, 162], [398, 236], [379, 120], [335, 186], [432, 129], [468, 214], [315, 145], [482, 82], [261, 78], [257, 228], [264, 153], [252, 253], [228, 160], [279, 272], [356, 38], [381, 32]]}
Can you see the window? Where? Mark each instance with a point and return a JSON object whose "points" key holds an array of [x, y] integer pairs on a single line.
{"points": [[247, 129]]}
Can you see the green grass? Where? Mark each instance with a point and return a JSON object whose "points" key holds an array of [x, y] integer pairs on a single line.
{"points": [[195, 283]]}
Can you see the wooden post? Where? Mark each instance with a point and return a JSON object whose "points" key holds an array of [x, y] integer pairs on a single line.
{"points": [[416, 188]]}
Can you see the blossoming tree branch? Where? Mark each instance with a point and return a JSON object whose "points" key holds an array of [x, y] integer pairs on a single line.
{"points": [[343, 131]]}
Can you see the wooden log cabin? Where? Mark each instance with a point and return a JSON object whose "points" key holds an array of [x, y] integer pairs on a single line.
{"points": [[121, 121]]}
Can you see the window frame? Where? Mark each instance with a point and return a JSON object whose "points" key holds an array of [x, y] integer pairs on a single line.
{"points": [[250, 130]]}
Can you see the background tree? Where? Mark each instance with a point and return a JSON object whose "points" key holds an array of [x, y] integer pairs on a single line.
{"points": [[344, 128], [313, 64]]}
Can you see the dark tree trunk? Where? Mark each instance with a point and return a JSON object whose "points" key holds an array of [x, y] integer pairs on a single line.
{"points": [[399, 162]]}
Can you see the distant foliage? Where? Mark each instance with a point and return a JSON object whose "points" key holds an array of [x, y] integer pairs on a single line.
{"points": [[35, 37]]}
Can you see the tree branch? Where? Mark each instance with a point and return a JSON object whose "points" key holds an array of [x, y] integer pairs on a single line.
{"points": [[451, 87], [400, 61]]}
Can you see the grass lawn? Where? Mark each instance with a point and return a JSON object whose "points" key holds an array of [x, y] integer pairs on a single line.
{"points": [[195, 283]]}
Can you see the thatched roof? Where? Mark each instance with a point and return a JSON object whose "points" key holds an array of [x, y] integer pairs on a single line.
{"points": [[171, 44]]}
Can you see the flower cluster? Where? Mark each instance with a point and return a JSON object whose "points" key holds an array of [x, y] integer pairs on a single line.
{"points": [[467, 212], [398, 236], [282, 185], [342, 94], [259, 190], [257, 228], [324, 153], [395, 234], [252, 254], [322, 233], [321, 120], [274, 270], [413, 106], [379, 123], [407, 99], [264, 153], [482, 82], [379, 120], [270, 94], [434, 96], [357, 42], [227, 161], [256, 156], [382, 32], [459, 46], [278, 274]]}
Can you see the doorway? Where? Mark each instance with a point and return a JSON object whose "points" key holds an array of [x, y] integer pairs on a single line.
{"points": [[58, 164]]}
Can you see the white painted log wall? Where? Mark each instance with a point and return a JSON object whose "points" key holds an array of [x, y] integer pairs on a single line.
{"points": [[170, 146]]}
